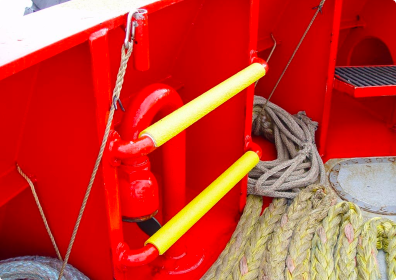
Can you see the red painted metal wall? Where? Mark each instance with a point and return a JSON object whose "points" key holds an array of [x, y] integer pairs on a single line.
{"points": [[361, 127], [55, 112], [348, 33], [54, 102]]}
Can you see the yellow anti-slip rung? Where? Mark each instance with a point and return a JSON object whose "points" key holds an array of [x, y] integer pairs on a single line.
{"points": [[164, 238], [168, 127]]}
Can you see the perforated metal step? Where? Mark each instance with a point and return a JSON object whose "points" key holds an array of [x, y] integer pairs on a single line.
{"points": [[366, 81]]}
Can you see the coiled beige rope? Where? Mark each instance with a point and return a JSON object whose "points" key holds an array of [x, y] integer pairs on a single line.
{"points": [[298, 162]]}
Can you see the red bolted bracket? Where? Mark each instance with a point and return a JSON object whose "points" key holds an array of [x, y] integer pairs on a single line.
{"points": [[121, 149], [137, 186], [138, 189]]}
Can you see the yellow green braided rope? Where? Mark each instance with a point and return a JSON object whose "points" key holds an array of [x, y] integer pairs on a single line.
{"points": [[298, 259], [324, 241], [342, 246], [249, 264], [366, 257], [377, 233], [345, 251], [273, 266], [389, 246]]}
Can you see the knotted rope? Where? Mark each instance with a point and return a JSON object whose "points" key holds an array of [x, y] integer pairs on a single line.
{"points": [[294, 137], [298, 162], [311, 238]]}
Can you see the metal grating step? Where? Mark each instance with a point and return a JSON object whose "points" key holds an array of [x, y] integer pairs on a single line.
{"points": [[366, 81], [368, 76]]}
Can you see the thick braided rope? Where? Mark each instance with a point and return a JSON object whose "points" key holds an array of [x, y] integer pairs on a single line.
{"points": [[324, 241], [298, 259], [249, 263], [389, 246], [337, 244], [235, 247], [387, 230], [345, 252], [273, 265], [367, 252], [40, 208], [377, 233], [125, 54]]}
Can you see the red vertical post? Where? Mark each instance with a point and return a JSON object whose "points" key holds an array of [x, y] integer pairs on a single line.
{"points": [[100, 65], [330, 76], [141, 56], [253, 34]]}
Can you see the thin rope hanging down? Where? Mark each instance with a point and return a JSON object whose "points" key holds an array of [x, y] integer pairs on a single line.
{"points": [[40, 208], [298, 162]]}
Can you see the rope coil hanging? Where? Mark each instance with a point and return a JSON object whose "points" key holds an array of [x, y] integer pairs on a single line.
{"points": [[298, 162], [294, 137]]}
